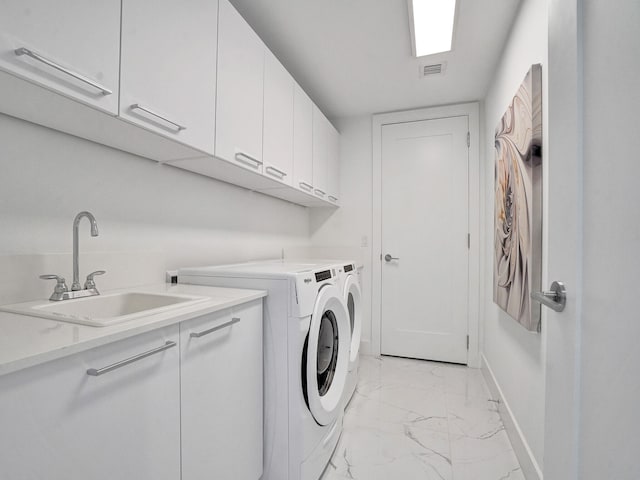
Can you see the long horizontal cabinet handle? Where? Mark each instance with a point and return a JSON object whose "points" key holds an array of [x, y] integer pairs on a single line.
{"points": [[214, 329], [172, 125], [40, 58], [96, 372], [319, 192], [248, 160], [332, 198], [275, 172], [306, 186]]}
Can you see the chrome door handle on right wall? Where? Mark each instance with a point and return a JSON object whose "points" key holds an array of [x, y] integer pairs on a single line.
{"points": [[556, 299]]}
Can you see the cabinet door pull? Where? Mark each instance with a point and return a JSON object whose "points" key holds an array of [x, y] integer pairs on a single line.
{"points": [[96, 372], [332, 198], [306, 186], [173, 126], [36, 56], [320, 193], [276, 173], [214, 329], [248, 160]]}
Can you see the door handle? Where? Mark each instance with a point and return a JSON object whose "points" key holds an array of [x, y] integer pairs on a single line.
{"points": [[388, 258], [556, 299]]}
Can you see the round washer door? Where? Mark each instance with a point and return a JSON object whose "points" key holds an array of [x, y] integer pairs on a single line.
{"points": [[353, 299], [327, 355]]}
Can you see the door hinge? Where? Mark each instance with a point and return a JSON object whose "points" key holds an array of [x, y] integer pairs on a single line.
{"points": [[468, 241], [467, 342], [468, 139]]}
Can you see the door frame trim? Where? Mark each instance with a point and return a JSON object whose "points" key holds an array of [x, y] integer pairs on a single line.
{"points": [[472, 111]]}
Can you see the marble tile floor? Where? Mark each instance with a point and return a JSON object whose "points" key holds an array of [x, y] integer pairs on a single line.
{"points": [[412, 419]]}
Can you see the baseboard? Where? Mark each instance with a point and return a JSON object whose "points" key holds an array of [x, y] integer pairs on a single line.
{"points": [[365, 347], [528, 463]]}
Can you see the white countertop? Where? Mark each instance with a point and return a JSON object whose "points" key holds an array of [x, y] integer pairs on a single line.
{"points": [[26, 341]]}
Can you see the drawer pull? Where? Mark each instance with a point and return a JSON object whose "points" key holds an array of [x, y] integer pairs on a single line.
{"points": [[96, 372], [36, 56], [248, 160], [320, 193], [332, 198], [214, 329], [276, 173], [306, 186], [172, 125]]}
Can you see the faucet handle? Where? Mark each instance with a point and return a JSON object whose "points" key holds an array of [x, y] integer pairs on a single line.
{"points": [[89, 283], [61, 286]]}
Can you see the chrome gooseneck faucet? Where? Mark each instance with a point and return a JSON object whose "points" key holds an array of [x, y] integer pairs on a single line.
{"points": [[61, 291], [94, 233]]}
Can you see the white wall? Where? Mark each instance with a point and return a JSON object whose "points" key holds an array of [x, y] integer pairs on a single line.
{"points": [[515, 356], [610, 356], [350, 225], [48, 177]]}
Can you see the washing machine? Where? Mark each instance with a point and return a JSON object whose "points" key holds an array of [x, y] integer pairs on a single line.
{"points": [[348, 276], [306, 359]]}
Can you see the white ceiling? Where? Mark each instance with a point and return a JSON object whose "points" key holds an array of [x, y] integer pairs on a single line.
{"points": [[354, 57]]}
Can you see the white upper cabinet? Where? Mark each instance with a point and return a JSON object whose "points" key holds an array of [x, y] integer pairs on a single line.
{"points": [[302, 140], [320, 153], [278, 121], [186, 83], [333, 183], [168, 68], [71, 47], [240, 91]]}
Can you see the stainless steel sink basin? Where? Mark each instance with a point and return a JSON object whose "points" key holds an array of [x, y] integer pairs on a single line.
{"points": [[104, 310]]}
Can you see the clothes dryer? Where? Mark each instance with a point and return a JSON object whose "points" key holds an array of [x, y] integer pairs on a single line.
{"points": [[306, 360], [352, 294]]}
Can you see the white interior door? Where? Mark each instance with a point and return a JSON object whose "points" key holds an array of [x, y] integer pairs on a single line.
{"points": [[564, 236], [425, 225]]}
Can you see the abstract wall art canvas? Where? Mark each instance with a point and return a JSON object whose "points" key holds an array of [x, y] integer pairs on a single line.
{"points": [[518, 203]]}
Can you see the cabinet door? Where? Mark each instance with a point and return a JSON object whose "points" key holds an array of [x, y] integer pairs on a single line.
{"points": [[278, 121], [168, 68], [59, 423], [320, 153], [71, 47], [240, 91], [302, 140], [333, 180], [222, 399]]}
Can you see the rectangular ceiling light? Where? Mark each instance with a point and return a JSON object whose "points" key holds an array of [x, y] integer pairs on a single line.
{"points": [[431, 25]]}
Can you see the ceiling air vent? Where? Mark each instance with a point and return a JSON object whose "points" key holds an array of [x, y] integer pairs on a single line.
{"points": [[434, 69]]}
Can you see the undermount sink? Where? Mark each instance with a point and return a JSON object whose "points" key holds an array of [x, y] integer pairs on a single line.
{"points": [[105, 310]]}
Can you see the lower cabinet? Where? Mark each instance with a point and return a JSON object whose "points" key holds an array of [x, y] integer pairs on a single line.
{"points": [[60, 423], [221, 370], [183, 401]]}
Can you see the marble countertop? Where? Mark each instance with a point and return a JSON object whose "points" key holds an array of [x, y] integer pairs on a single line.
{"points": [[26, 341]]}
